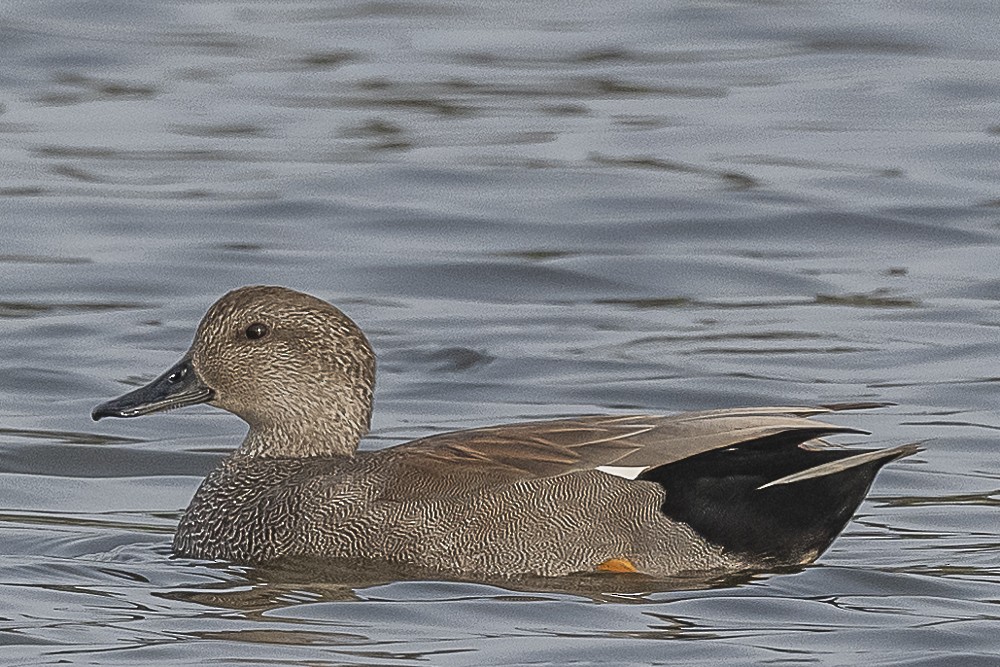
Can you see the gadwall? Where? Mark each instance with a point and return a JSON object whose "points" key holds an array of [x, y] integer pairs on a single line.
{"points": [[719, 491]]}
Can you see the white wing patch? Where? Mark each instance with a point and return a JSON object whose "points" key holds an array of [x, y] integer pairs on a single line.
{"points": [[628, 472]]}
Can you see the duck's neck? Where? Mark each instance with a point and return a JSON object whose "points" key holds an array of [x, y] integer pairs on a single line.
{"points": [[336, 435], [324, 414]]}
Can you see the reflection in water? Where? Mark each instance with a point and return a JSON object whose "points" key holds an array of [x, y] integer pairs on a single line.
{"points": [[259, 597], [291, 582], [285, 637]]}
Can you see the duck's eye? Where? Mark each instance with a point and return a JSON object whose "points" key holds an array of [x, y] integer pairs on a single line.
{"points": [[256, 331]]}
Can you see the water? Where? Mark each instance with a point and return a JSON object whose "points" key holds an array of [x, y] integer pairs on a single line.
{"points": [[534, 209]]}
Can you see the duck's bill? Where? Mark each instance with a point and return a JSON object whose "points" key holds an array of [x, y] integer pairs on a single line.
{"points": [[176, 388]]}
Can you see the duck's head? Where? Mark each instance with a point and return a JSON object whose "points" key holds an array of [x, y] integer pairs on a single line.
{"points": [[296, 369]]}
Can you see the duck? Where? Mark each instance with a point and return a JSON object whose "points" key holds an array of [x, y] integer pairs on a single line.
{"points": [[720, 491]]}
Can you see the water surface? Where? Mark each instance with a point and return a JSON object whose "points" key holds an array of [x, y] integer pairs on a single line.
{"points": [[534, 210]]}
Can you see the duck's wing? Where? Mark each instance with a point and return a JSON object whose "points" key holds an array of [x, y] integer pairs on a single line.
{"points": [[503, 454]]}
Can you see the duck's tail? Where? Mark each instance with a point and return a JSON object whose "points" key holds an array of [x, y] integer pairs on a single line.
{"points": [[772, 502]]}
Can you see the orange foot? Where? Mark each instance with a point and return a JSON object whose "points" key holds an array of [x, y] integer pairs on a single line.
{"points": [[616, 565]]}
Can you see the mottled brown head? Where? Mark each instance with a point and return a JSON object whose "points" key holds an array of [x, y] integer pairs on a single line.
{"points": [[294, 367]]}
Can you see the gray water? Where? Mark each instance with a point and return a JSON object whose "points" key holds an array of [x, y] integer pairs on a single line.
{"points": [[534, 209]]}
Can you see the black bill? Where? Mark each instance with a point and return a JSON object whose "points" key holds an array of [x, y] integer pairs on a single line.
{"points": [[176, 388]]}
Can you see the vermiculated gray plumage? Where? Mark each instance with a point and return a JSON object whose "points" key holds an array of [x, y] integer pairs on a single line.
{"points": [[716, 491]]}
